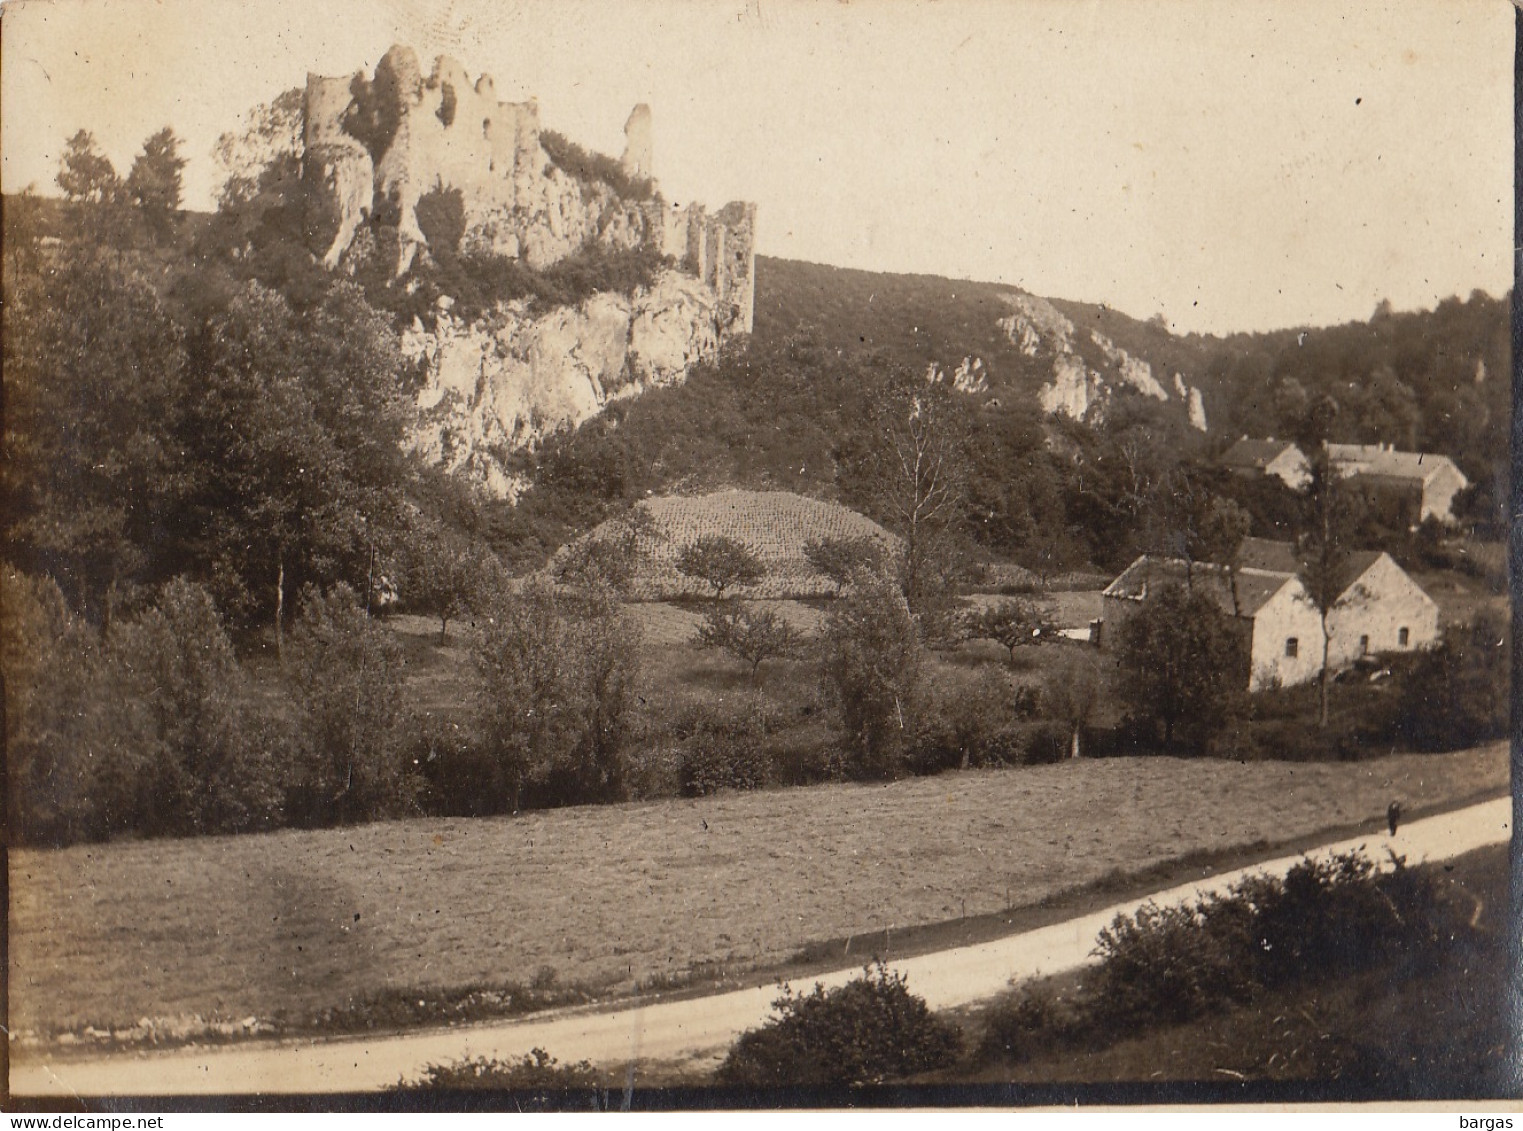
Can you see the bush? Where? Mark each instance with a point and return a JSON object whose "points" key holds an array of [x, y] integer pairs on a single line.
{"points": [[537, 1072], [870, 1030], [460, 777], [594, 168], [723, 747], [974, 721], [1031, 1023], [1324, 918]]}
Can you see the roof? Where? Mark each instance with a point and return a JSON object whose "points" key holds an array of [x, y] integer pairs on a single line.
{"points": [[1148, 574], [1265, 553], [1255, 453], [1386, 462]]}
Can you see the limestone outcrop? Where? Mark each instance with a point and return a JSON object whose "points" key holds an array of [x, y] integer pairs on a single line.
{"points": [[505, 383], [1082, 387]]}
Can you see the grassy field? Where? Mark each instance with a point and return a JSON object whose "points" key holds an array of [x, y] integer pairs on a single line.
{"points": [[289, 924]]}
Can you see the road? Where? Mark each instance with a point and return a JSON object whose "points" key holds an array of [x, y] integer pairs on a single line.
{"points": [[694, 1030]]}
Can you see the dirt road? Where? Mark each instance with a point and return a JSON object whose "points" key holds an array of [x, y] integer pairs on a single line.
{"points": [[694, 1030]]}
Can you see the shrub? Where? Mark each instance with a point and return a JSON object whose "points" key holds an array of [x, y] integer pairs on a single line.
{"points": [[965, 722], [591, 167], [537, 1072], [1030, 1023], [460, 777], [870, 1030], [723, 747], [1325, 917]]}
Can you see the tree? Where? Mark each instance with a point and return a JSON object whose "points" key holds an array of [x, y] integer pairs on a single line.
{"points": [[1014, 623], [1457, 693], [1324, 552], [872, 658], [555, 671], [346, 677], [448, 573], [79, 755], [749, 633], [916, 475], [296, 436], [86, 175], [266, 155], [154, 182], [212, 775], [611, 554], [838, 559], [1181, 664], [96, 195], [721, 561], [93, 475], [1072, 690]]}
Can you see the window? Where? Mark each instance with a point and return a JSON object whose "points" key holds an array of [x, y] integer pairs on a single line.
{"points": [[1403, 637], [1292, 647], [1364, 645]]}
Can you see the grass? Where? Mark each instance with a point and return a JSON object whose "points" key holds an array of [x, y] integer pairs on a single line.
{"points": [[1401, 1030], [293, 923]]}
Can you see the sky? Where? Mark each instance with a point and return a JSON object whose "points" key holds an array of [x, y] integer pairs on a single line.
{"points": [[1230, 165]]}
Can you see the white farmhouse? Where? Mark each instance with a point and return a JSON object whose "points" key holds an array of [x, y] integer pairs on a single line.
{"points": [[1380, 609]]}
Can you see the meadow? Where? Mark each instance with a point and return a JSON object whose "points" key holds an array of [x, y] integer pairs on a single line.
{"points": [[287, 926]]}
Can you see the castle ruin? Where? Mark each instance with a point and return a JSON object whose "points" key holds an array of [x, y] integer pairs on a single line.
{"points": [[376, 147]]}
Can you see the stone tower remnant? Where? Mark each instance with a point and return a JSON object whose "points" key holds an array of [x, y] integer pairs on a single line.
{"points": [[639, 149]]}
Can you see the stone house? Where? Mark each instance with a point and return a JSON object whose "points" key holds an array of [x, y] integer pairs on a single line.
{"points": [[1410, 485], [1381, 609], [1255, 459]]}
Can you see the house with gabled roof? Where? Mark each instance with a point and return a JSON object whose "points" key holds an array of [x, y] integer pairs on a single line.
{"points": [[1254, 459], [1380, 609], [1279, 628], [1419, 485]]}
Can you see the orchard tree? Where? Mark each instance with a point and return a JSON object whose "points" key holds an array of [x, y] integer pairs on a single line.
{"points": [[839, 559], [721, 561], [1182, 665], [749, 633], [448, 573], [1013, 623]]}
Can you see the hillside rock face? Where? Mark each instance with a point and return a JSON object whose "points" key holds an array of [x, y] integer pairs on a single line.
{"points": [[1082, 389], [505, 383], [441, 157]]}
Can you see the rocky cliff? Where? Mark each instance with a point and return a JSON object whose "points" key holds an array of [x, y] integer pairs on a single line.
{"points": [[506, 382], [1085, 377], [387, 150]]}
